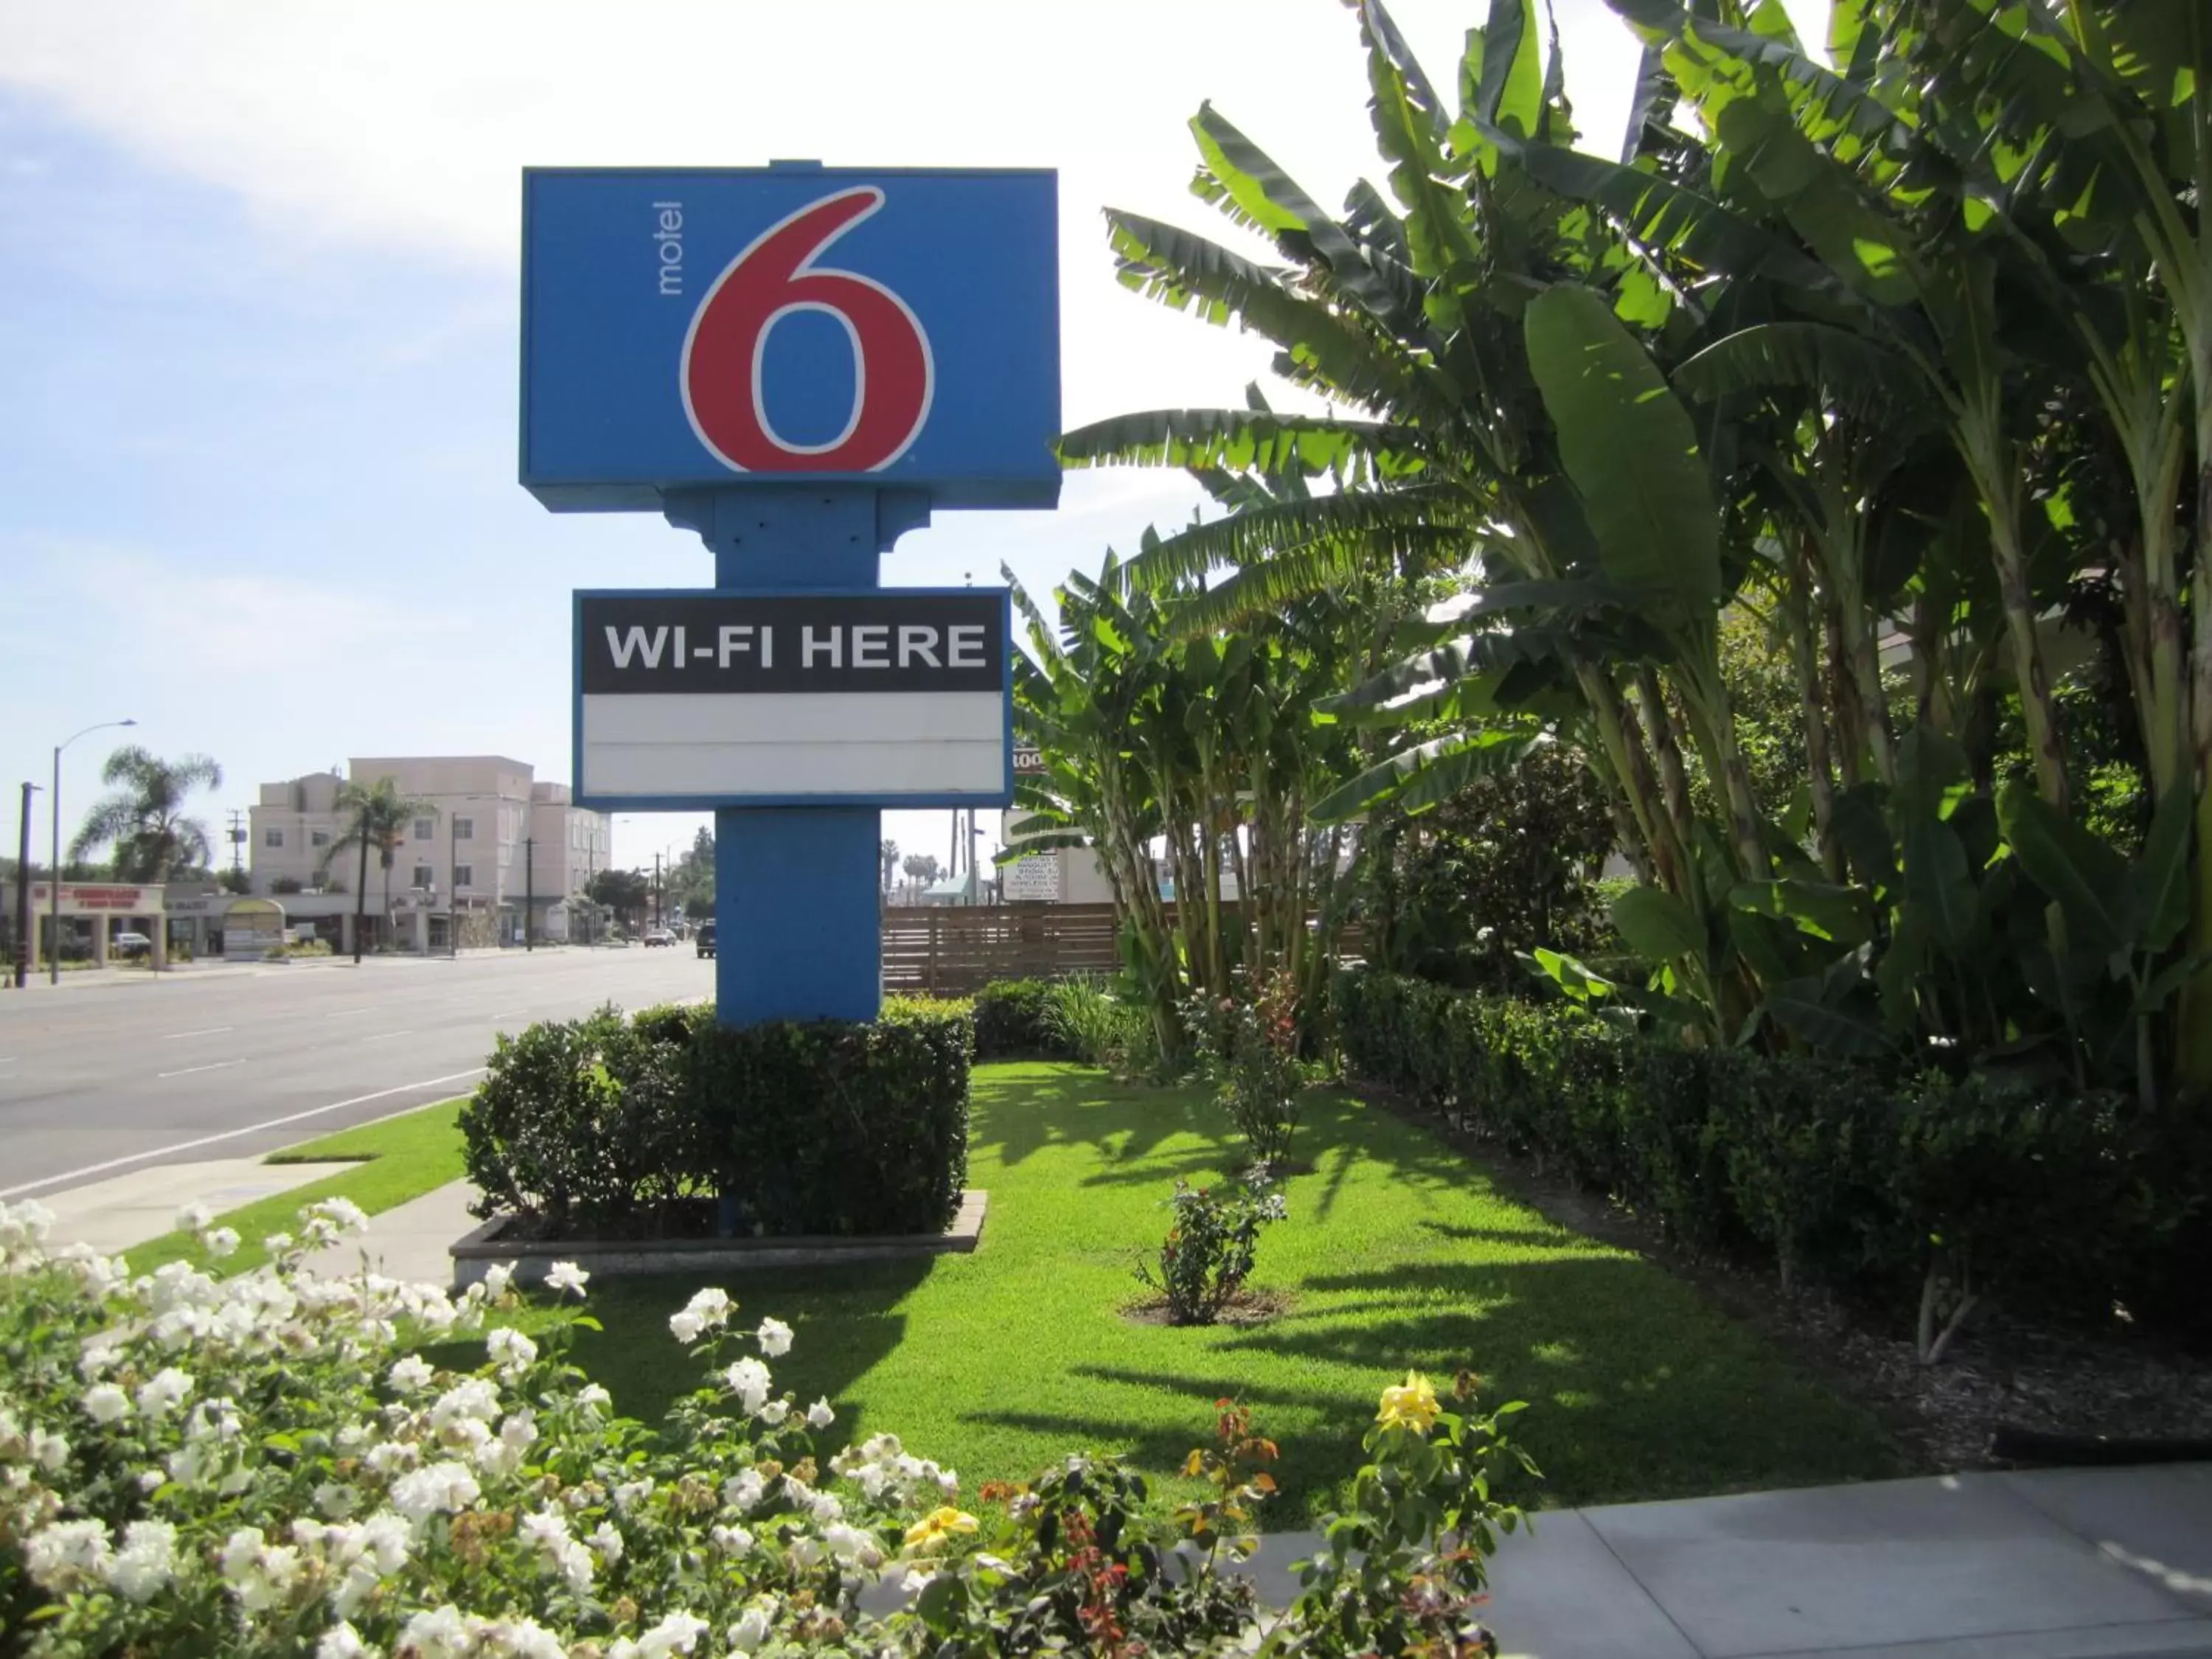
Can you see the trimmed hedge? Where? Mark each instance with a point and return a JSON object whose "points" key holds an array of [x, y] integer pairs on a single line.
{"points": [[1019, 1019], [1875, 1180], [608, 1123]]}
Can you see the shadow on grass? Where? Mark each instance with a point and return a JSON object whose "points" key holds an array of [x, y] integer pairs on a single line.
{"points": [[1632, 1384]]}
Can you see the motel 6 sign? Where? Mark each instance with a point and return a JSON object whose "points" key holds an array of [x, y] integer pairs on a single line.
{"points": [[690, 330]]}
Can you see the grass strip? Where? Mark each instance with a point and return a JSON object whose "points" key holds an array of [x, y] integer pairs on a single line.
{"points": [[395, 1159], [1399, 1254]]}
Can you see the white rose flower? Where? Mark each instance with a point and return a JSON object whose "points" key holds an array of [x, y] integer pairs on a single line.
{"points": [[686, 1328], [68, 1553], [147, 1561], [773, 1412], [343, 1641], [48, 1450], [497, 1278], [194, 1219], [805, 1553], [751, 1629], [819, 1416], [732, 1541], [409, 1375], [774, 1338], [106, 1403], [440, 1634], [594, 1399], [511, 1351], [220, 1242], [679, 1632], [524, 1638], [345, 1217], [565, 1276], [165, 1393], [748, 1379], [852, 1545], [608, 1542], [440, 1488], [631, 1493]]}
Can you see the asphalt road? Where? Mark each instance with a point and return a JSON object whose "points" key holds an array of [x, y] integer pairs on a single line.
{"points": [[205, 1063]]}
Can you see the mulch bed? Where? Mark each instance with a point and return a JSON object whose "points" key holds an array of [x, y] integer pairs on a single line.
{"points": [[1999, 1370], [1245, 1308]]}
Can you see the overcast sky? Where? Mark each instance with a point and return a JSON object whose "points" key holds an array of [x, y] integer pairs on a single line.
{"points": [[257, 323]]}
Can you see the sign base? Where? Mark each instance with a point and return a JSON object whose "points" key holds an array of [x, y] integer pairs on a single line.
{"points": [[798, 934]]}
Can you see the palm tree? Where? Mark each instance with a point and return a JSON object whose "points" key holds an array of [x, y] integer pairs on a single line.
{"points": [[379, 816], [921, 867], [890, 854], [144, 815]]}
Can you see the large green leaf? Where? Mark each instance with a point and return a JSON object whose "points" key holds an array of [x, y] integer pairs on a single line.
{"points": [[1321, 347], [1243, 441], [1657, 926], [1241, 176], [1510, 91], [2158, 883], [1939, 887], [1629, 446], [2087, 879], [1821, 908], [1427, 773], [1845, 369], [1809, 1010]]}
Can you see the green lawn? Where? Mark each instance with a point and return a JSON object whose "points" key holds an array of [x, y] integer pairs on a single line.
{"points": [[398, 1158], [1397, 1254]]}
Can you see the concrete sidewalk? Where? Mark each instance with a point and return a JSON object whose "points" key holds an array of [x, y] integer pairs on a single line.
{"points": [[408, 1242], [2056, 1563], [124, 1210]]}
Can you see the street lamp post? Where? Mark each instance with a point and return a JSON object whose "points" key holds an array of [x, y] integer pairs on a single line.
{"points": [[54, 876]]}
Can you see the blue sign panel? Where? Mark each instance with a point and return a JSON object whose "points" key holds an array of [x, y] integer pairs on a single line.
{"points": [[694, 329]]}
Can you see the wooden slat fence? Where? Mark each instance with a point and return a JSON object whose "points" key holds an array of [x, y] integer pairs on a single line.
{"points": [[957, 950]]}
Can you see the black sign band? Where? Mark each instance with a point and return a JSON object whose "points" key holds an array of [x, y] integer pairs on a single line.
{"points": [[883, 641]]}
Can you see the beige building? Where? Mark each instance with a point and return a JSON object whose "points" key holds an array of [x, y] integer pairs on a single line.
{"points": [[492, 838]]}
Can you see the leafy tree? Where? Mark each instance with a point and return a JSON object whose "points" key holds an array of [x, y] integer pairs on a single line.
{"points": [[628, 893], [920, 868], [889, 853], [143, 816], [1463, 893], [377, 820], [689, 881]]}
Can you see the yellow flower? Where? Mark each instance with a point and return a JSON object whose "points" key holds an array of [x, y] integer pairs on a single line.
{"points": [[936, 1528], [1411, 1406]]}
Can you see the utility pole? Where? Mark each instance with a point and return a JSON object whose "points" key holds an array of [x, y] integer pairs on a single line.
{"points": [[656, 890], [24, 891], [237, 842], [529, 888]]}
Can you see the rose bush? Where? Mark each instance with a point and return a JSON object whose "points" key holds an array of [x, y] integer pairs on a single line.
{"points": [[262, 1464]]}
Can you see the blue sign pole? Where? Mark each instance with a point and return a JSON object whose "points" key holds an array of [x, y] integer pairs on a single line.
{"points": [[798, 932]]}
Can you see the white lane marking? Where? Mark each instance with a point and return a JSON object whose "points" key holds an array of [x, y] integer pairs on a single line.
{"points": [[509, 1013], [189, 1069], [79, 1175], [212, 1030], [382, 1036], [341, 1013]]}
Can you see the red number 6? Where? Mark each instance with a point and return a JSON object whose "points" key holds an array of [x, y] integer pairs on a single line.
{"points": [[893, 375]]}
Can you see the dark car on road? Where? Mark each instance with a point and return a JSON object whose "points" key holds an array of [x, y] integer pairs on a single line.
{"points": [[705, 936]]}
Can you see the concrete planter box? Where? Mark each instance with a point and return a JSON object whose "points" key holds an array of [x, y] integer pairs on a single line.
{"points": [[637, 1258]]}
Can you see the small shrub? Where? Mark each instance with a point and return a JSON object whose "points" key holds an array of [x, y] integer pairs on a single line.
{"points": [[835, 1128], [1263, 1078], [824, 1127], [1099, 1027], [1019, 1019], [1210, 1247]]}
